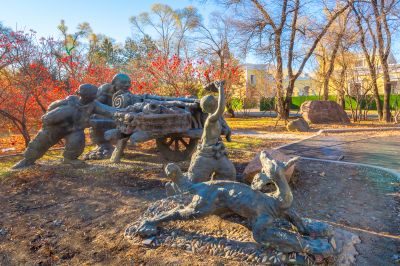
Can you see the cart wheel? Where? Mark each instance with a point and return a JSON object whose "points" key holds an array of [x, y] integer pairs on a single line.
{"points": [[176, 148]]}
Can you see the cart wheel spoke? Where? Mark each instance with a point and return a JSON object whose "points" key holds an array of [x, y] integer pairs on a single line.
{"points": [[176, 144], [176, 148], [169, 142], [184, 142]]}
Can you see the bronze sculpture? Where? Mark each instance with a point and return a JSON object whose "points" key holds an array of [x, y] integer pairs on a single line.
{"points": [[211, 160], [66, 119], [106, 94], [263, 211]]}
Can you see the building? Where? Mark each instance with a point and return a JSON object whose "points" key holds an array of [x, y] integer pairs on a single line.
{"points": [[361, 80], [355, 79], [260, 83]]}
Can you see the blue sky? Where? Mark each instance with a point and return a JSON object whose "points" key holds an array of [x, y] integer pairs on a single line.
{"points": [[110, 17]]}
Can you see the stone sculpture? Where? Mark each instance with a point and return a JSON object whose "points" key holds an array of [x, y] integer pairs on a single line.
{"points": [[262, 210], [66, 119], [211, 160], [106, 94]]}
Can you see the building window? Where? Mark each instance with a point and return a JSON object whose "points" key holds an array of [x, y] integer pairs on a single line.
{"points": [[360, 63], [306, 91], [253, 80]]}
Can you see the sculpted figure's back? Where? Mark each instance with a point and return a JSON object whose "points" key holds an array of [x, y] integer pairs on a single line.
{"points": [[66, 119]]}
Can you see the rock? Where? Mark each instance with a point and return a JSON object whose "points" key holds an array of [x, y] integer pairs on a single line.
{"points": [[3, 231], [345, 244], [254, 166], [321, 112], [298, 125], [148, 241], [57, 223]]}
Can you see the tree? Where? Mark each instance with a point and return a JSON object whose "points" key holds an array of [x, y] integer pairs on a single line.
{"points": [[283, 29], [216, 41], [373, 20], [171, 27], [333, 42], [27, 85]]}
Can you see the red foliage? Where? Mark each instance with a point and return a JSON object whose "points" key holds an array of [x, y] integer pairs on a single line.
{"points": [[33, 74]]}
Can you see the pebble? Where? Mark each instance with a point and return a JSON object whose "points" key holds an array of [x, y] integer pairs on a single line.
{"points": [[57, 223], [3, 232], [148, 241], [206, 242], [264, 259]]}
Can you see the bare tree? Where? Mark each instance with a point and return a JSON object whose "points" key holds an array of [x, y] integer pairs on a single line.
{"points": [[372, 18], [333, 42], [285, 29], [216, 41], [171, 27]]}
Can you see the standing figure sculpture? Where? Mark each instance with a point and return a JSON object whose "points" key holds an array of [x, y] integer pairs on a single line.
{"points": [[120, 84], [211, 160], [262, 210], [66, 119]]}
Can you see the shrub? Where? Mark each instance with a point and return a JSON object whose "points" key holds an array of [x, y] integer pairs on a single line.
{"points": [[267, 104], [237, 104]]}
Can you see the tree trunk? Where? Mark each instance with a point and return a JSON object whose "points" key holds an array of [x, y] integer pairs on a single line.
{"points": [[26, 136], [384, 49], [288, 99], [341, 100], [387, 116], [230, 110], [280, 101], [331, 67]]}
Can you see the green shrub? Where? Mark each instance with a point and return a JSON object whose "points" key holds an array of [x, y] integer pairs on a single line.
{"points": [[237, 104], [299, 100], [267, 104]]}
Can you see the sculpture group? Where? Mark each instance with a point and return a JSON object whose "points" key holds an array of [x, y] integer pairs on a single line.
{"points": [[114, 114]]}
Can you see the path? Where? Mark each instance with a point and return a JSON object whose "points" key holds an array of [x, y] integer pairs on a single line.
{"points": [[358, 148], [362, 200]]}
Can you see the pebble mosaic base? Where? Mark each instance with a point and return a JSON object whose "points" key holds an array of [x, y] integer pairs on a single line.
{"points": [[231, 243]]}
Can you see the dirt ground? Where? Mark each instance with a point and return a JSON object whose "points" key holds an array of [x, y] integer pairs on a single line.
{"points": [[363, 201], [54, 215]]}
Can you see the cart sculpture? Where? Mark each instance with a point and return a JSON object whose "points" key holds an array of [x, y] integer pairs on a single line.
{"points": [[175, 123]]}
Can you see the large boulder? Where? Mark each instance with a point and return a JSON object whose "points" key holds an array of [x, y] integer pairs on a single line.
{"points": [[254, 166], [323, 112], [298, 125]]}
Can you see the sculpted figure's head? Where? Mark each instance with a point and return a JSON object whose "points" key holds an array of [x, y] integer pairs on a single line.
{"points": [[87, 93], [271, 171], [173, 172], [121, 82], [209, 104]]}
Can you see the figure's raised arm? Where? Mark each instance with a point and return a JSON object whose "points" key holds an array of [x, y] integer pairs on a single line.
{"points": [[221, 102]]}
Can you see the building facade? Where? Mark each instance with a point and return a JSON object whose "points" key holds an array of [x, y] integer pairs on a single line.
{"points": [[260, 83]]}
